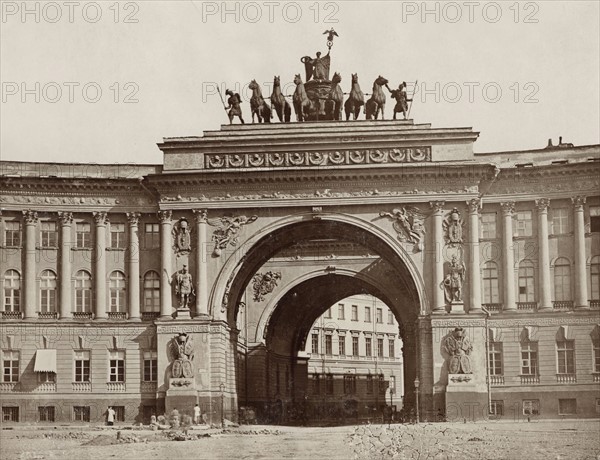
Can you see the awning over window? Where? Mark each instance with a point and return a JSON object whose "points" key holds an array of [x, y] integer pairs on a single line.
{"points": [[45, 361]]}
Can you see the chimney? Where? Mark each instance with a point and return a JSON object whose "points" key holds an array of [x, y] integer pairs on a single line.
{"points": [[549, 143], [560, 140]]}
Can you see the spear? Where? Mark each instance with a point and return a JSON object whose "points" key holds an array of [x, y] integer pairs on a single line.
{"points": [[411, 99], [222, 101]]}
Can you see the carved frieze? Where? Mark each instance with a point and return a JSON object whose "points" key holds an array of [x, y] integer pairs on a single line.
{"points": [[75, 200], [264, 283]]}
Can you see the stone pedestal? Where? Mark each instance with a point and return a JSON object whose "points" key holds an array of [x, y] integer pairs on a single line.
{"points": [[466, 399], [181, 395], [183, 313], [457, 308]]}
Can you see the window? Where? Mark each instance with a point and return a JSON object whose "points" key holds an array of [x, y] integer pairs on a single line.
{"points": [[329, 384], [46, 377], [367, 314], [83, 232], [354, 346], [595, 277], [117, 366], [81, 413], [526, 281], [150, 366], [565, 350], [368, 347], [596, 351], [529, 358], [393, 383], [559, 225], [531, 407], [369, 384], [48, 235], [117, 292], [488, 225], [595, 219], [523, 224], [341, 313], [497, 408], [354, 312], [83, 292], [10, 365], [151, 236], [48, 291], [12, 291], [490, 282], [328, 344], [379, 315], [380, 348], [597, 406], [342, 345], [119, 413], [82, 366], [390, 317], [151, 292], [495, 358], [391, 348], [10, 414], [562, 280], [567, 406], [12, 234], [350, 384], [117, 236], [316, 384], [46, 413], [328, 313], [315, 343]]}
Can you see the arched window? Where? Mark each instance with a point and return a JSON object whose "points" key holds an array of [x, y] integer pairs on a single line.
{"points": [[151, 292], [83, 292], [12, 291], [118, 292], [562, 280], [490, 283], [526, 281], [595, 278], [48, 292]]}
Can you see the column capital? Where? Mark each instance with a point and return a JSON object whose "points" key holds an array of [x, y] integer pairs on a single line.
{"points": [[101, 217], [578, 202], [66, 218], [437, 206], [165, 216], [31, 217], [508, 208], [201, 215], [133, 218], [474, 205], [542, 204]]}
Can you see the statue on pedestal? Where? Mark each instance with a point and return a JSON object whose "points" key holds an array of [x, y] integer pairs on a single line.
{"points": [[184, 287], [459, 347], [182, 349], [453, 282]]}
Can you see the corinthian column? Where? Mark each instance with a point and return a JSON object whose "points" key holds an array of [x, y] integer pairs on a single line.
{"points": [[65, 297], [166, 227], [581, 296], [101, 219], [438, 261], [29, 288], [508, 256], [474, 268], [545, 287], [134, 266], [202, 273]]}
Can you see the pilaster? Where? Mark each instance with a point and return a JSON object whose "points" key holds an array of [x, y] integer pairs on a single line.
{"points": [[438, 260], [65, 297], [101, 219], [201, 263], [134, 266], [508, 257], [166, 227], [545, 284], [29, 278], [581, 300], [474, 264]]}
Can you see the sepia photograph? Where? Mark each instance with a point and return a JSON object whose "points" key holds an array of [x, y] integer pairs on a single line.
{"points": [[300, 229]]}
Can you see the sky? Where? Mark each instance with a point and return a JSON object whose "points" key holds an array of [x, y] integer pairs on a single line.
{"points": [[104, 82]]}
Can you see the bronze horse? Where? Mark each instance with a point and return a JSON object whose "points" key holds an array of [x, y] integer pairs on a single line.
{"points": [[333, 105], [377, 100], [278, 102], [356, 99], [258, 105], [303, 106]]}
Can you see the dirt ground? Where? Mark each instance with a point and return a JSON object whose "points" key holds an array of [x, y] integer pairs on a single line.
{"points": [[492, 440]]}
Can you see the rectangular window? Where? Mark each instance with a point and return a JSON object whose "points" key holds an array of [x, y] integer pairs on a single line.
{"points": [[10, 414], [10, 365], [531, 407], [354, 312], [596, 350], [390, 317], [595, 219], [368, 347], [488, 225], [380, 348], [151, 236], [119, 413], [379, 315], [342, 345], [81, 413], [559, 223], [565, 350], [391, 348], [12, 234], [117, 236], [82, 366], [116, 366], [328, 313], [150, 366], [84, 235], [329, 384], [46, 413], [316, 384], [567, 406], [48, 235], [497, 408], [315, 343], [523, 223], [354, 346], [350, 384], [367, 314], [46, 377], [369, 384], [341, 312], [328, 344], [495, 358], [529, 358]]}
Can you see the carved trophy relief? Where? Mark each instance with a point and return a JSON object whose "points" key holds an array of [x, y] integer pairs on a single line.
{"points": [[263, 284], [181, 350], [459, 348], [182, 237], [453, 228]]}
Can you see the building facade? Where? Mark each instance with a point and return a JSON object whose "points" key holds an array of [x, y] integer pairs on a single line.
{"points": [[504, 246]]}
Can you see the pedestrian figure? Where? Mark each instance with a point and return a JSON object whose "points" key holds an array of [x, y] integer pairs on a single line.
{"points": [[110, 419], [197, 414]]}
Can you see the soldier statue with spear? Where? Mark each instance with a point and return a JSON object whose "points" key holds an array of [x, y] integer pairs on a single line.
{"points": [[234, 107]]}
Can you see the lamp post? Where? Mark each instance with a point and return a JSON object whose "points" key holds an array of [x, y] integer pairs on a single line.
{"points": [[417, 384], [222, 388]]}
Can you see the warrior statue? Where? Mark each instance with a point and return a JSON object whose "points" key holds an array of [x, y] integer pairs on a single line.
{"points": [[182, 350], [459, 347], [184, 287], [234, 102], [401, 99], [453, 282]]}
